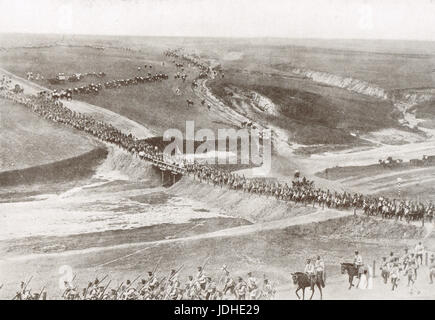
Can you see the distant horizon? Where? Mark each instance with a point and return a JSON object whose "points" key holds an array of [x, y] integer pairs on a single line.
{"points": [[216, 37], [241, 19]]}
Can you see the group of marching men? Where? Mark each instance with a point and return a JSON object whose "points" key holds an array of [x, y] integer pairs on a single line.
{"points": [[112, 84], [25, 293], [300, 191], [200, 287], [393, 267]]}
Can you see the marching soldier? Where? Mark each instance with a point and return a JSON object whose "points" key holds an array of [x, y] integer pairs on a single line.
{"points": [[152, 281], [229, 283], [320, 270], [395, 276], [211, 293], [405, 258], [70, 292], [411, 272], [141, 285], [240, 289], [268, 291], [113, 295], [432, 268], [413, 262], [201, 278], [129, 291], [173, 288], [190, 288], [419, 252], [385, 269], [252, 286]]}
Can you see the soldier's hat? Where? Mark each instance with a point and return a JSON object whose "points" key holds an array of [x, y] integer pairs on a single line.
{"points": [[249, 273], [199, 268], [356, 252], [150, 273], [240, 278], [128, 282], [172, 271]]}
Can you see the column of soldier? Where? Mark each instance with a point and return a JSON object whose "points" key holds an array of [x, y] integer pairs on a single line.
{"points": [[154, 287], [192, 59], [393, 267], [112, 84], [300, 191]]}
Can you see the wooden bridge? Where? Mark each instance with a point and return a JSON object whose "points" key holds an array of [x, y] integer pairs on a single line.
{"points": [[168, 170]]}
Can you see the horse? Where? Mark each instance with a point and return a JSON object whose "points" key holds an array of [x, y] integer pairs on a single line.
{"points": [[189, 102], [303, 281], [353, 271]]}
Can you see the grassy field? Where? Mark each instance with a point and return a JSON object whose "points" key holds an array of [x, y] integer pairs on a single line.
{"points": [[154, 105], [338, 173], [391, 65], [27, 140], [313, 114]]}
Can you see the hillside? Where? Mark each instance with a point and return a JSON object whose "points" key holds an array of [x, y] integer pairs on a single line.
{"points": [[154, 105], [27, 140]]}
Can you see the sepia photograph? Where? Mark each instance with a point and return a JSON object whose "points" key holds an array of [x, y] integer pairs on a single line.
{"points": [[231, 150]]}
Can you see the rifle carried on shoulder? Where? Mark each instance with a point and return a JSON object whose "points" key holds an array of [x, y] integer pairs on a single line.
{"points": [[130, 285], [24, 289], [40, 293], [102, 293]]}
